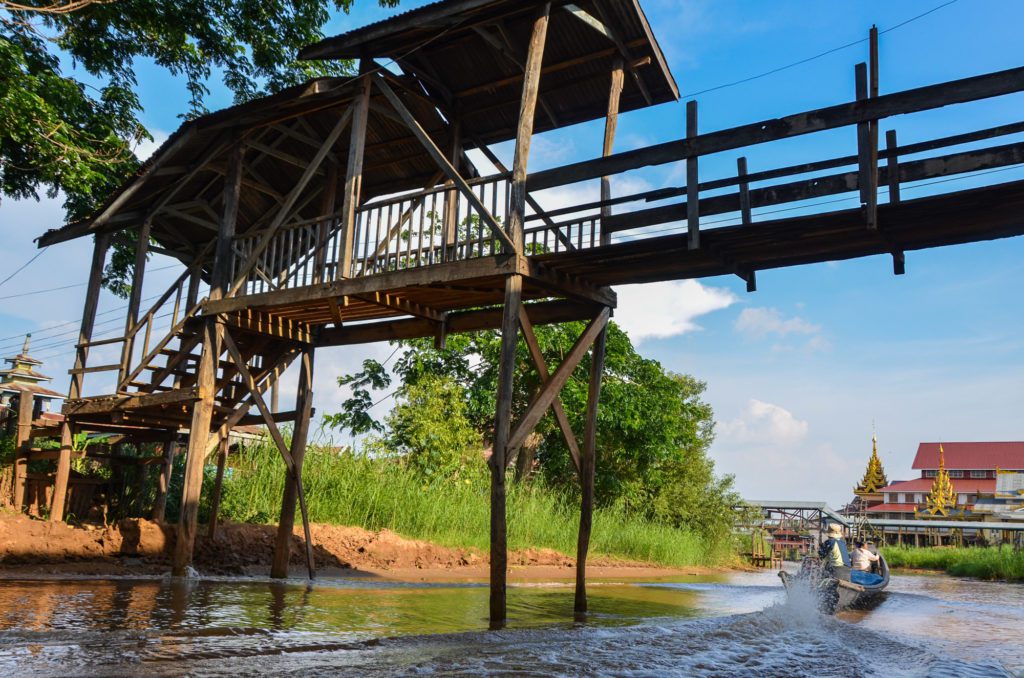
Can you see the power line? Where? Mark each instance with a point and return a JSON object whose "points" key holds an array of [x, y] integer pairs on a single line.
{"points": [[65, 287], [816, 56], [25, 265]]}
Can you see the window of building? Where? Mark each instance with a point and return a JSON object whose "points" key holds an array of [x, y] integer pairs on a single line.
{"points": [[929, 474], [918, 498], [979, 474], [956, 474]]}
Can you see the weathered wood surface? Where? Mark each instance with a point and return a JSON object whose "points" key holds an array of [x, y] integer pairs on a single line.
{"points": [[588, 464]]}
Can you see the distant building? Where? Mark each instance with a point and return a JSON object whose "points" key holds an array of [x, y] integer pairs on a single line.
{"points": [[21, 377], [972, 469]]}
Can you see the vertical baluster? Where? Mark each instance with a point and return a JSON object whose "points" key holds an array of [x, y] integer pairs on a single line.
{"points": [[579, 235], [432, 225], [419, 233], [177, 303], [366, 237]]}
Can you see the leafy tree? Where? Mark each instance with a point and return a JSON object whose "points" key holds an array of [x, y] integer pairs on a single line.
{"points": [[72, 130], [653, 428]]}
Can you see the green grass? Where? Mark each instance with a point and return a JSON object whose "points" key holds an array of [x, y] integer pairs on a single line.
{"points": [[375, 494], [980, 562]]}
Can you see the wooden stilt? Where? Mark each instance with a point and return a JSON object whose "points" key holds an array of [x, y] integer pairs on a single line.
{"points": [[218, 484], [206, 372], [92, 297], [692, 183], [22, 443], [502, 425], [286, 522], [134, 300], [353, 178], [588, 462], [163, 482]]}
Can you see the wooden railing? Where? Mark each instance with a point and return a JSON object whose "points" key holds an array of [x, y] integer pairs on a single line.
{"points": [[440, 225]]}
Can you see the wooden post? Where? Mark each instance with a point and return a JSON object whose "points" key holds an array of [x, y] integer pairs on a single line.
{"points": [[134, 300], [22, 445], [92, 298], [163, 481], [353, 177], [892, 164], [206, 371], [502, 428], [867, 156], [611, 121], [692, 183], [286, 522], [218, 484], [588, 463], [450, 230], [741, 171], [524, 135], [323, 234]]}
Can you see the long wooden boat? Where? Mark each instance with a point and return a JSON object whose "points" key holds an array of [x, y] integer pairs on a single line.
{"points": [[834, 590]]}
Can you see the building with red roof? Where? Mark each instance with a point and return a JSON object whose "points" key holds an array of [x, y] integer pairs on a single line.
{"points": [[972, 468]]}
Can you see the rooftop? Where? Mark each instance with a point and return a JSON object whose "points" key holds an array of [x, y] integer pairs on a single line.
{"points": [[974, 455]]}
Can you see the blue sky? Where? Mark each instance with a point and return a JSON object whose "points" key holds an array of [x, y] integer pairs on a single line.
{"points": [[797, 372]]}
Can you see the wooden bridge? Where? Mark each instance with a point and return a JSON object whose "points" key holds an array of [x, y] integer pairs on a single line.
{"points": [[346, 211]]}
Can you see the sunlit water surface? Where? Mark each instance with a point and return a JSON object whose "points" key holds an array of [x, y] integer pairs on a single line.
{"points": [[739, 624]]}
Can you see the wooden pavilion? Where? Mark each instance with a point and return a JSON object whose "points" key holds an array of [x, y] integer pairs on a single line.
{"points": [[346, 211]]}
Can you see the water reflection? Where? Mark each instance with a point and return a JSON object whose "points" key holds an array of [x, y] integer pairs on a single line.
{"points": [[697, 625]]}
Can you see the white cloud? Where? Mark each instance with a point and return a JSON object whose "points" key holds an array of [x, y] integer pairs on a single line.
{"points": [[665, 309], [760, 322], [764, 424], [146, 148]]}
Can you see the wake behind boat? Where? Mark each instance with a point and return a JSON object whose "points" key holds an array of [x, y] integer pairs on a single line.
{"points": [[839, 588]]}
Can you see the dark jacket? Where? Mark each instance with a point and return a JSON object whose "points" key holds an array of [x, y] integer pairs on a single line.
{"points": [[825, 551]]}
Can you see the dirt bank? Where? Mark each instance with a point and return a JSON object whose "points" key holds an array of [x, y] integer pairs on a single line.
{"points": [[31, 546]]}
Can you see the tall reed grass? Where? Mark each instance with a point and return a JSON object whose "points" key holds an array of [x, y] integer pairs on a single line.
{"points": [[981, 562], [352, 489]]}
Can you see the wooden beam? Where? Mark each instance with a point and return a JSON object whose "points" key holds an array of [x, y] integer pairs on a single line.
{"points": [[611, 31], [498, 460], [542, 401], [588, 464], [286, 522], [542, 371], [456, 322], [611, 121], [524, 128], [135, 298], [569, 285], [397, 303], [92, 294], [352, 191], [285, 209], [692, 183], [867, 158], [443, 163], [163, 482], [541, 214], [842, 115], [22, 445], [293, 469], [218, 483]]}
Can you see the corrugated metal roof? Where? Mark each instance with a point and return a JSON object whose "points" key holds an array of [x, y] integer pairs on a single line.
{"points": [[971, 455]]}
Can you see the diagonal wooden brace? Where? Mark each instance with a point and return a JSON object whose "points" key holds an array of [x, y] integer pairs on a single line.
{"points": [[542, 401], [443, 163], [275, 434], [542, 371]]}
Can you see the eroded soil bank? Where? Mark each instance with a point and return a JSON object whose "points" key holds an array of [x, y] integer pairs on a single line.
{"points": [[30, 546]]}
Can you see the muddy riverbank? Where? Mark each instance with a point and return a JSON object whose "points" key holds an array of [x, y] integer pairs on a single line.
{"points": [[142, 547]]}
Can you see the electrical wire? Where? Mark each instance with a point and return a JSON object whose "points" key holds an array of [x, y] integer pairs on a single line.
{"points": [[816, 56], [25, 265]]}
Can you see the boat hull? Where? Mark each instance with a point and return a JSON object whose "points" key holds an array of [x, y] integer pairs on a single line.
{"points": [[836, 594]]}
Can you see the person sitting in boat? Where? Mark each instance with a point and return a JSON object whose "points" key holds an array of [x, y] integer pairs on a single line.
{"points": [[862, 558], [833, 552]]}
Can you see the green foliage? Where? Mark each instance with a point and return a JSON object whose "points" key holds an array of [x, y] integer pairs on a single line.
{"points": [[653, 428], [346, 488], [981, 562], [429, 428], [73, 133]]}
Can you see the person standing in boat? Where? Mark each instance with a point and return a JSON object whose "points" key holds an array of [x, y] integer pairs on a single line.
{"points": [[833, 552]]}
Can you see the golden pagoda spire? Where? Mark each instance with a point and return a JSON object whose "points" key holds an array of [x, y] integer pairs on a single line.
{"points": [[942, 497], [874, 475]]}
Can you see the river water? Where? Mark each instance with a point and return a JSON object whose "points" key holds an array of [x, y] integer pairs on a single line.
{"points": [[735, 624]]}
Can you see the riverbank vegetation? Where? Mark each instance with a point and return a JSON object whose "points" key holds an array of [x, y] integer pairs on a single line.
{"points": [[421, 469], [982, 562]]}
